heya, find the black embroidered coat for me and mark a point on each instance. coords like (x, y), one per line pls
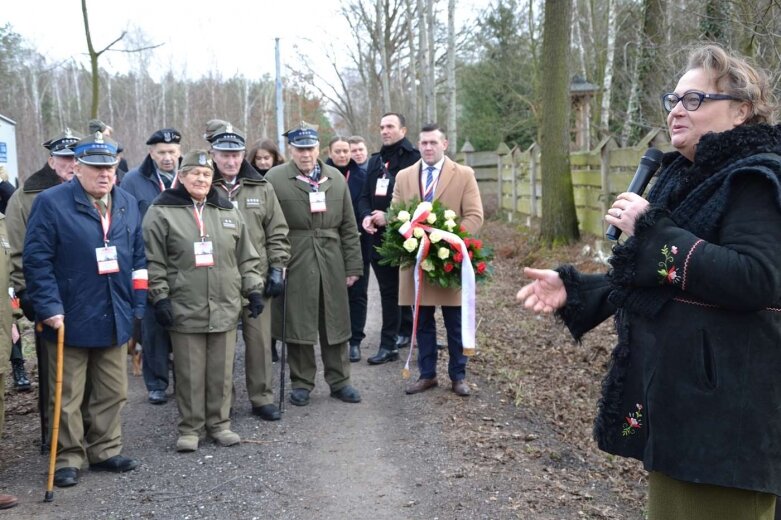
(693, 389)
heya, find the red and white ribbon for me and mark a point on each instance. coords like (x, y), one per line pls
(407, 229)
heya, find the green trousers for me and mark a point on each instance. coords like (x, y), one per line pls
(104, 371)
(203, 364)
(257, 356)
(670, 499)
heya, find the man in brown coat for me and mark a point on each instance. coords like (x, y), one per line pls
(436, 177)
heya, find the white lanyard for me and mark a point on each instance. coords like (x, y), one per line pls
(199, 219)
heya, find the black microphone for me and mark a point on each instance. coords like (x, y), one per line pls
(649, 163)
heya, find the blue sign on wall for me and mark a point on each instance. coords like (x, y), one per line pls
(3, 152)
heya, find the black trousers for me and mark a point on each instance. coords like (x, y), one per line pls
(395, 320)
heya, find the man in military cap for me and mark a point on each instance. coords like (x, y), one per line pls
(58, 169)
(254, 197)
(85, 268)
(326, 260)
(146, 182)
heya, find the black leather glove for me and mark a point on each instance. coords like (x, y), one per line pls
(274, 282)
(164, 313)
(27, 305)
(137, 330)
(255, 306)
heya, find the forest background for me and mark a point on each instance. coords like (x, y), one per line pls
(484, 82)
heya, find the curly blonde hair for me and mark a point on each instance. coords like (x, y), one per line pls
(735, 76)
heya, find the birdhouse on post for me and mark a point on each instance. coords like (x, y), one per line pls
(581, 91)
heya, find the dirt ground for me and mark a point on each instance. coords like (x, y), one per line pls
(519, 447)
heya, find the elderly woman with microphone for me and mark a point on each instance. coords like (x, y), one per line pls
(693, 389)
(201, 264)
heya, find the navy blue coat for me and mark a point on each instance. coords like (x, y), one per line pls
(61, 268)
(143, 184)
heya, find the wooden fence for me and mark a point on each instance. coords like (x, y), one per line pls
(512, 178)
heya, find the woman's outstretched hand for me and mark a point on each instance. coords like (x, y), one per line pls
(545, 294)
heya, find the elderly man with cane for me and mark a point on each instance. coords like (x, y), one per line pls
(85, 268)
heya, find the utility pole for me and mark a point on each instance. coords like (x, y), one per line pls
(280, 102)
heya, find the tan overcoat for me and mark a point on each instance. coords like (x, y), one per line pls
(456, 190)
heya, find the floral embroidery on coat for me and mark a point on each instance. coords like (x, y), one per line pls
(633, 421)
(667, 271)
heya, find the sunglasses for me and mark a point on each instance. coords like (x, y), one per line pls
(692, 99)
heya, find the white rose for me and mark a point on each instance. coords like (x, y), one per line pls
(424, 206)
(443, 253)
(418, 232)
(427, 265)
(403, 216)
(450, 214)
(432, 217)
(410, 244)
(450, 225)
(435, 236)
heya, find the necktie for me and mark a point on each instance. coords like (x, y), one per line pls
(101, 207)
(429, 192)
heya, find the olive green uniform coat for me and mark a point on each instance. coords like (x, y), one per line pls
(325, 249)
(17, 214)
(5, 314)
(254, 197)
(203, 299)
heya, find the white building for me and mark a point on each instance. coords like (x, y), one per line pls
(8, 156)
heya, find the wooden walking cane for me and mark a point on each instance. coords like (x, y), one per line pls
(56, 414)
(283, 350)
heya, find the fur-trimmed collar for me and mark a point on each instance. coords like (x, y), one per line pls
(43, 179)
(178, 196)
(246, 173)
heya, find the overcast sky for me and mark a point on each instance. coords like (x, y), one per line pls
(197, 36)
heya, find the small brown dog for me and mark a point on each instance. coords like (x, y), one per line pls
(135, 351)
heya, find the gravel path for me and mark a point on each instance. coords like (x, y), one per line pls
(392, 456)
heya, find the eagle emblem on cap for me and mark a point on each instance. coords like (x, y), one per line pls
(68, 133)
(229, 128)
(167, 137)
(98, 137)
(202, 160)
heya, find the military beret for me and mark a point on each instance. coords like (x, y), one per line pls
(165, 135)
(60, 145)
(303, 135)
(96, 150)
(196, 159)
(223, 136)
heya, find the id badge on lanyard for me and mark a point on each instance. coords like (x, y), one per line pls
(316, 197)
(108, 261)
(381, 190)
(203, 249)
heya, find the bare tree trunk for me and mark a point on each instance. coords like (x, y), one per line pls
(110, 99)
(76, 86)
(414, 80)
(578, 37)
(247, 107)
(383, 44)
(431, 59)
(559, 220)
(607, 82)
(186, 117)
(451, 78)
(631, 107)
(425, 71)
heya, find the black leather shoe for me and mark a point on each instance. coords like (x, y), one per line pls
(355, 353)
(383, 356)
(348, 394)
(403, 341)
(115, 464)
(267, 412)
(299, 396)
(21, 381)
(66, 477)
(157, 397)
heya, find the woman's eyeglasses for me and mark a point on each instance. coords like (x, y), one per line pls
(692, 99)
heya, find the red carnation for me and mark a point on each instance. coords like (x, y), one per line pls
(458, 257)
(448, 267)
(468, 242)
(477, 243)
(462, 229)
(481, 268)
(471, 255)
